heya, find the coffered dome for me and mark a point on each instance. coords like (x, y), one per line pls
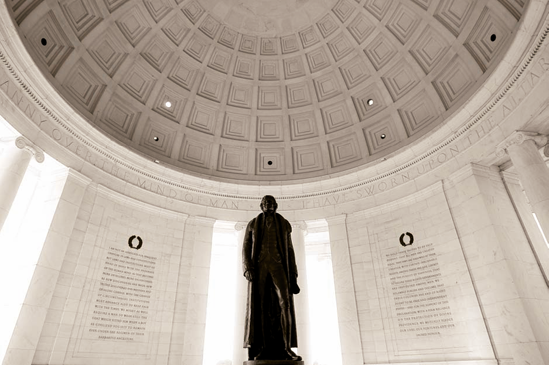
(267, 90)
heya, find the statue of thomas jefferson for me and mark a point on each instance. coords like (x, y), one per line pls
(269, 266)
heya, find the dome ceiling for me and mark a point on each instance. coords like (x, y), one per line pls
(254, 90)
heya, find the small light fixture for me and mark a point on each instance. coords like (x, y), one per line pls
(370, 101)
(269, 163)
(44, 41)
(383, 136)
(493, 37)
(156, 138)
(156, 161)
(168, 104)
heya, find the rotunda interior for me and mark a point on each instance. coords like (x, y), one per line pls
(404, 140)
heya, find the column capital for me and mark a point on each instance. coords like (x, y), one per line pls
(300, 225)
(517, 138)
(239, 226)
(24, 144)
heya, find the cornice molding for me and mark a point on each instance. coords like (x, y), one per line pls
(205, 221)
(338, 219)
(78, 178)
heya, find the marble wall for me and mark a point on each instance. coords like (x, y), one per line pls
(113, 303)
(470, 289)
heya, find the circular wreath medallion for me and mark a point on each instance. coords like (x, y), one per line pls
(139, 244)
(402, 239)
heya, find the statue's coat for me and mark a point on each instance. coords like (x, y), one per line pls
(250, 255)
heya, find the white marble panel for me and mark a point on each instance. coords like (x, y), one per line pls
(349, 332)
(421, 304)
(113, 303)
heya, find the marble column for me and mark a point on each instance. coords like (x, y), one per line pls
(299, 231)
(240, 354)
(177, 339)
(523, 149)
(347, 313)
(14, 161)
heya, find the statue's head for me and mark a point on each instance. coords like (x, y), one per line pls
(268, 204)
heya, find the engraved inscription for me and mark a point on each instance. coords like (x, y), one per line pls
(419, 293)
(121, 308)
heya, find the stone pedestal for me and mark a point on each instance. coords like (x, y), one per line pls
(273, 362)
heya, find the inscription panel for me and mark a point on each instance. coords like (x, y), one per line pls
(125, 292)
(122, 304)
(419, 292)
(414, 292)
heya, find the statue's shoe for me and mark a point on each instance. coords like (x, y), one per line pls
(261, 356)
(292, 356)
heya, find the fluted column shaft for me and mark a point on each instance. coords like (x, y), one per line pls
(14, 161)
(523, 149)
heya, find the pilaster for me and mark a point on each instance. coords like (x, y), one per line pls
(506, 277)
(198, 235)
(349, 330)
(66, 192)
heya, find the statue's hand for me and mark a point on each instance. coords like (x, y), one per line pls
(249, 274)
(294, 288)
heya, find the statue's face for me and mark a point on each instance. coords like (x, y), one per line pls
(268, 205)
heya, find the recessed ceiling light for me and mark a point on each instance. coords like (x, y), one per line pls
(370, 101)
(168, 104)
(493, 37)
(156, 161)
(44, 41)
(156, 138)
(383, 136)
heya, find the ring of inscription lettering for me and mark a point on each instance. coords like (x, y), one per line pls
(138, 245)
(402, 239)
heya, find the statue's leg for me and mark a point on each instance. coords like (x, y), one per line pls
(280, 282)
(263, 273)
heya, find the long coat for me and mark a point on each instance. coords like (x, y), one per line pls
(250, 255)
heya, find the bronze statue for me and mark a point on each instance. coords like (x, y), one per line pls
(269, 266)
